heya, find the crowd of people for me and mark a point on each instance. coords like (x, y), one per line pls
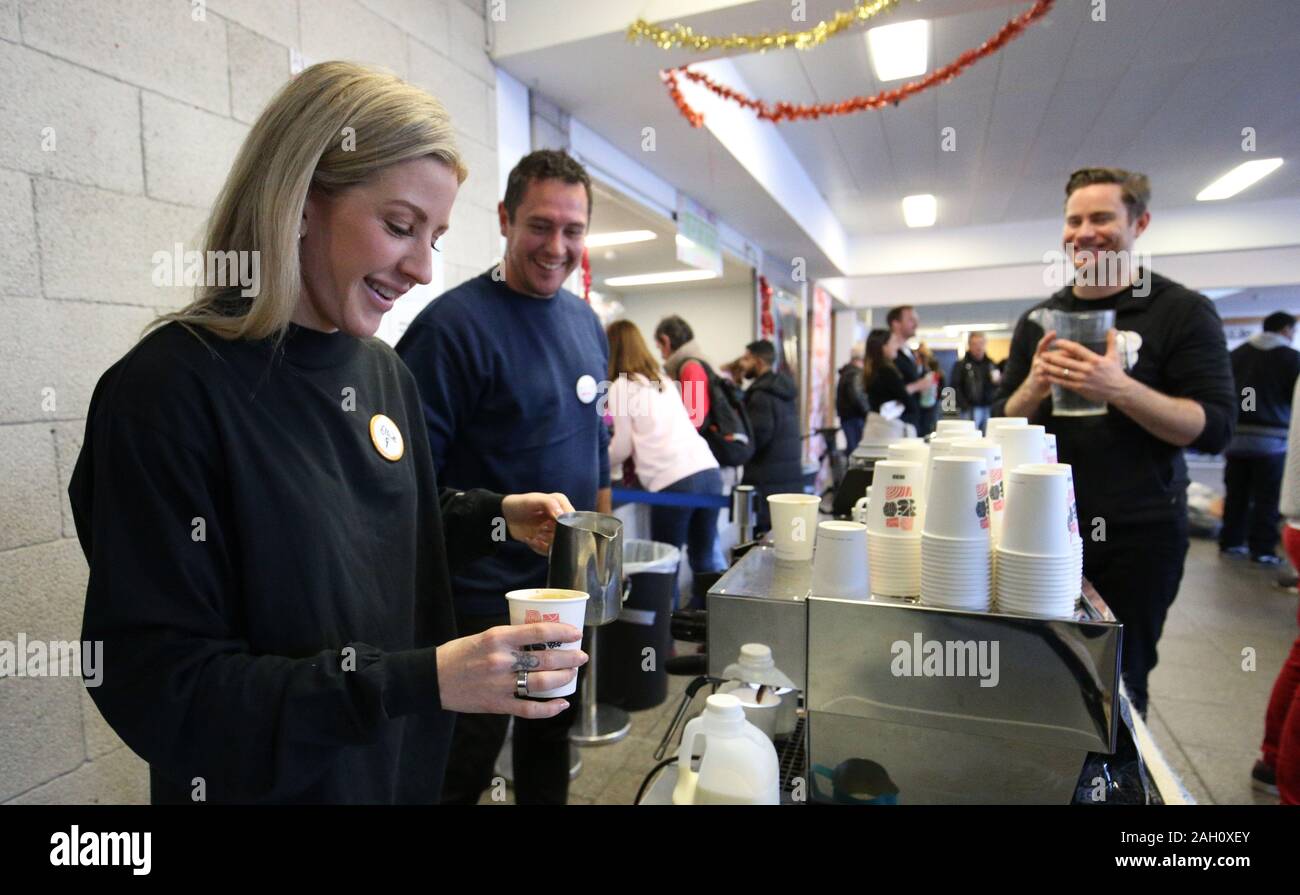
(299, 534)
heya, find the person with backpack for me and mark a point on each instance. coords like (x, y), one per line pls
(777, 464)
(653, 428)
(716, 405)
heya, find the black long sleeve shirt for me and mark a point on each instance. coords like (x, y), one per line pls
(1122, 472)
(269, 588)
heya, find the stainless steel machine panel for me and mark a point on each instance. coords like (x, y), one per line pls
(1053, 682)
(761, 600)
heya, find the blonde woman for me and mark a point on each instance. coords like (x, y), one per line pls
(268, 548)
(653, 428)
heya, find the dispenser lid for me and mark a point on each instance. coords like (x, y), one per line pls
(724, 706)
(755, 666)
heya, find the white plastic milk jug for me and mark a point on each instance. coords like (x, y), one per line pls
(739, 766)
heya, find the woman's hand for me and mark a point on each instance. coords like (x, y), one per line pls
(477, 674)
(531, 518)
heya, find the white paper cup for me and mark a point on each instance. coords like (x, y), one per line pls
(1037, 507)
(959, 508)
(1049, 447)
(794, 524)
(991, 452)
(1072, 510)
(913, 451)
(895, 507)
(1021, 445)
(997, 422)
(946, 427)
(840, 561)
(571, 609)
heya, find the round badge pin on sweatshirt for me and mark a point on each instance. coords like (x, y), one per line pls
(386, 437)
(586, 388)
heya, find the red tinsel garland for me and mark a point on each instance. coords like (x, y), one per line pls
(783, 111)
(766, 323)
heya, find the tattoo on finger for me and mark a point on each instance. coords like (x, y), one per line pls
(525, 661)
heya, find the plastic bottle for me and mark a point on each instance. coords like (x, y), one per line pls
(739, 766)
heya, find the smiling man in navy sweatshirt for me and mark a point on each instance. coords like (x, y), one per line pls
(509, 365)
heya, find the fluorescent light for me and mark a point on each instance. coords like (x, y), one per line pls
(1238, 179)
(956, 329)
(667, 276)
(920, 211)
(901, 50)
(619, 237)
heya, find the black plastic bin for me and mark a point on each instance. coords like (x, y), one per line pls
(627, 675)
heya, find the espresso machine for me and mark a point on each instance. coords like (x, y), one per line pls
(944, 706)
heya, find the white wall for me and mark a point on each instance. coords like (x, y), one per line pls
(147, 106)
(723, 319)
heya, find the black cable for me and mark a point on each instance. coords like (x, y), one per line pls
(650, 776)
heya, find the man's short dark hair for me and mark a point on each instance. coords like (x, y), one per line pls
(764, 350)
(676, 329)
(544, 164)
(1135, 188)
(896, 314)
(1278, 321)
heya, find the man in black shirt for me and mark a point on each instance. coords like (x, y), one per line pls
(1167, 384)
(902, 322)
(1265, 370)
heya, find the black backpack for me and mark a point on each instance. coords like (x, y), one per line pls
(726, 428)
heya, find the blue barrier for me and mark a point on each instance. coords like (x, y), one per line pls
(669, 498)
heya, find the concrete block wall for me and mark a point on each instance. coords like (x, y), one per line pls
(121, 120)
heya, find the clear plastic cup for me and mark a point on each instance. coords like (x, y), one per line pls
(1089, 329)
(794, 524)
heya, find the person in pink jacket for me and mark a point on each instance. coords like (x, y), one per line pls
(653, 428)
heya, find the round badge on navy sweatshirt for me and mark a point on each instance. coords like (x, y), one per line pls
(586, 388)
(386, 437)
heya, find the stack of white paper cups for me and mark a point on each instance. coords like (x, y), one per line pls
(955, 552)
(893, 529)
(1036, 560)
(1049, 448)
(1071, 518)
(840, 561)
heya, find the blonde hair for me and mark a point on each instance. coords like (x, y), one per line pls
(333, 126)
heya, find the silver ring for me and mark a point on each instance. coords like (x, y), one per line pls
(521, 684)
(1065, 371)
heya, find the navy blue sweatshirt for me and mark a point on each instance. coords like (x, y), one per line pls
(499, 375)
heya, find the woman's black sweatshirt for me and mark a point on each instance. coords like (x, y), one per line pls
(270, 588)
